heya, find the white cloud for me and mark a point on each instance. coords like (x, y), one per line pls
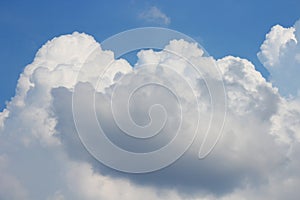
(95, 186)
(257, 157)
(280, 55)
(155, 15)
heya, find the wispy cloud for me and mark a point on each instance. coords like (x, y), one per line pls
(155, 15)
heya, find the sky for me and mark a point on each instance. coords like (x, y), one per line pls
(79, 121)
(224, 27)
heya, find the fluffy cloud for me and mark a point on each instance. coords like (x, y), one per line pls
(155, 15)
(280, 55)
(41, 156)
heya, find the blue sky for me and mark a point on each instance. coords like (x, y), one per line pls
(225, 27)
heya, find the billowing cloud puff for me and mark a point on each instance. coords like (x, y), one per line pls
(42, 157)
(280, 54)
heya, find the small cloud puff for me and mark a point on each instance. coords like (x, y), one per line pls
(155, 15)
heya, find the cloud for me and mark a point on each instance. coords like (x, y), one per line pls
(96, 186)
(257, 157)
(155, 15)
(280, 55)
(9, 183)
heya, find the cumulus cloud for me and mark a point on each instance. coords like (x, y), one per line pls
(155, 15)
(257, 157)
(280, 54)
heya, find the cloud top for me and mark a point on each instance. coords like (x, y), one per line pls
(280, 54)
